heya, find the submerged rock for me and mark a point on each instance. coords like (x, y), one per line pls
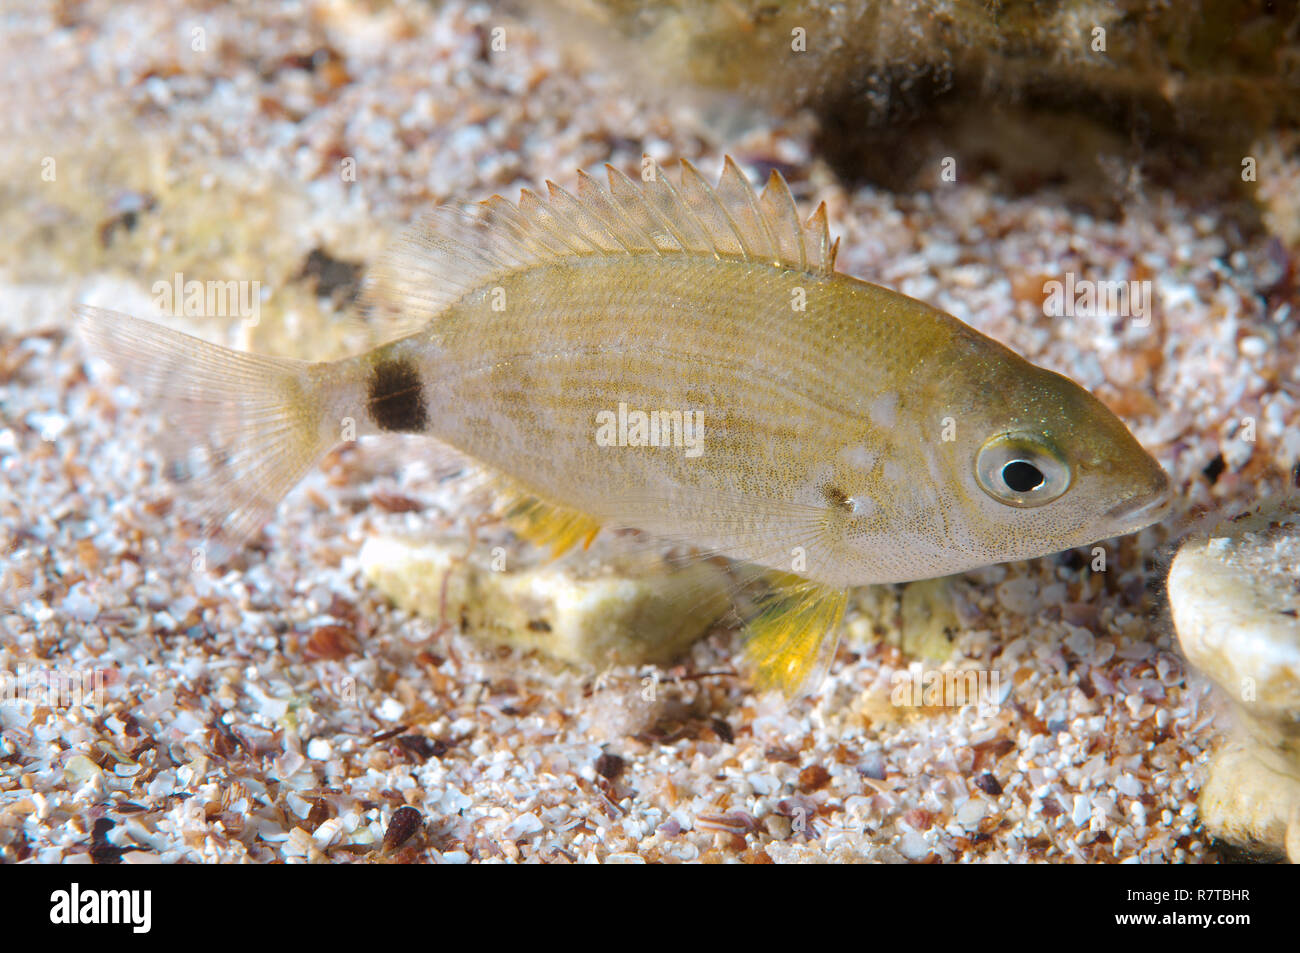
(587, 610)
(928, 618)
(1235, 600)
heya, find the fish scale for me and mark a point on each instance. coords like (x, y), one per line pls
(864, 438)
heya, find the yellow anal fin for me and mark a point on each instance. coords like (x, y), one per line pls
(794, 635)
(547, 524)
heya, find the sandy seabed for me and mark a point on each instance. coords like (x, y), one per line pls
(280, 709)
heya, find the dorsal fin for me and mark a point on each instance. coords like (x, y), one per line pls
(453, 251)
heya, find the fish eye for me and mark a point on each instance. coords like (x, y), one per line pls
(1021, 469)
(1022, 476)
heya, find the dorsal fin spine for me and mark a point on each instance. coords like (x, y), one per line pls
(662, 181)
(625, 191)
(583, 216)
(540, 215)
(454, 252)
(632, 202)
(701, 184)
(778, 194)
(518, 225)
(589, 192)
(606, 202)
(627, 194)
(773, 256)
(817, 223)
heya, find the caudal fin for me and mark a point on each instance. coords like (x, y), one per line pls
(241, 429)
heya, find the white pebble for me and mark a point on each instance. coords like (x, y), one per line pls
(298, 843)
(1252, 346)
(971, 813)
(1082, 810)
(328, 832)
(1019, 595)
(1127, 784)
(79, 605)
(50, 425)
(913, 845)
(523, 826)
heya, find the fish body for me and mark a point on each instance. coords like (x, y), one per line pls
(683, 360)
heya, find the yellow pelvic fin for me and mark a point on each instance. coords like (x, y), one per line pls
(546, 524)
(794, 635)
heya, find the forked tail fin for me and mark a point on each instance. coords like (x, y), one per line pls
(241, 429)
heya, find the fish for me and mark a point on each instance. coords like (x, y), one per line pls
(681, 359)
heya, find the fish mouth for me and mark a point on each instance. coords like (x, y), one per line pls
(1142, 510)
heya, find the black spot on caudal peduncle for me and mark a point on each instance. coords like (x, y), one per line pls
(396, 397)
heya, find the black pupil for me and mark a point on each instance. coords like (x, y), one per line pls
(1022, 476)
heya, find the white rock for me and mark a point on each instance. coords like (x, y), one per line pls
(1082, 810)
(590, 608)
(523, 826)
(328, 832)
(298, 843)
(913, 845)
(971, 813)
(1237, 611)
(1127, 784)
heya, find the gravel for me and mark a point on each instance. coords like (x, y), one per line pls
(277, 708)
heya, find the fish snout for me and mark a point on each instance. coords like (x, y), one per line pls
(1145, 507)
